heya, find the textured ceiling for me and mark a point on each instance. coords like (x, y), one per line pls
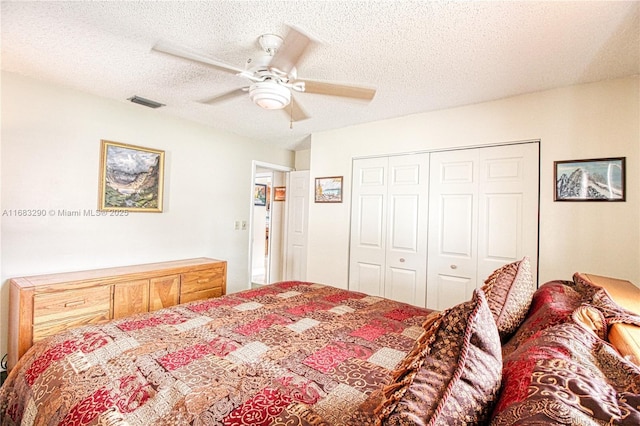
(421, 56)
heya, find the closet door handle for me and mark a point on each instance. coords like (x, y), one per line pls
(454, 266)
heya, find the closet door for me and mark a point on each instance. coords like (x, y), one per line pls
(453, 224)
(368, 226)
(483, 214)
(508, 207)
(406, 252)
(388, 227)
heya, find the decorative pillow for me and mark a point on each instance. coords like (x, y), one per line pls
(509, 291)
(566, 375)
(552, 304)
(452, 375)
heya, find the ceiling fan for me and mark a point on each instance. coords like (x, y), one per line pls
(272, 76)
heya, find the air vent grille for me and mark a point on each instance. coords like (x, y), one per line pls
(146, 102)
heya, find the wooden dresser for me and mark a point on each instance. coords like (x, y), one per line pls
(42, 305)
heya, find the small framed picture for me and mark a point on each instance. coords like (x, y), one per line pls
(598, 179)
(131, 178)
(260, 195)
(279, 193)
(328, 189)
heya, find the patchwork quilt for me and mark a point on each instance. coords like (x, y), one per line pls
(292, 353)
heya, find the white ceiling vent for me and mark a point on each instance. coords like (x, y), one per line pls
(146, 102)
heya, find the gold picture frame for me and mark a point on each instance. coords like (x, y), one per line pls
(328, 189)
(131, 178)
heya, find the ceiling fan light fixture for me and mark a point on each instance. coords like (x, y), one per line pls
(269, 95)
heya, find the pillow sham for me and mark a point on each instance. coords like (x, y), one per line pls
(566, 375)
(509, 290)
(452, 375)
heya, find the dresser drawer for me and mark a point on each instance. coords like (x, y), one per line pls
(201, 295)
(62, 307)
(40, 331)
(205, 279)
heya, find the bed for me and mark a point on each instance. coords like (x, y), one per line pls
(300, 353)
(288, 353)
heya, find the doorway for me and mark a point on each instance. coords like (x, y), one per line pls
(267, 224)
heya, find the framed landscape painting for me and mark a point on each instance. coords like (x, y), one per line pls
(131, 178)
(599, 179)
(328, 189)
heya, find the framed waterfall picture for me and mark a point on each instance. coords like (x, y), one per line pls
(599, 179)
(131, 178)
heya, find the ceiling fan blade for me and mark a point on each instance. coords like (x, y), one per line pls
(191, 55)
(331, 89)
(294, 111)
(235, 93)
(295, 45)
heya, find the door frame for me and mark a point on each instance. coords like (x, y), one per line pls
(255, 165)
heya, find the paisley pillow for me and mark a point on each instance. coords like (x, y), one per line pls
(452, 375)
(509, 291)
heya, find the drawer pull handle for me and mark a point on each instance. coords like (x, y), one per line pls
(204, 280)
(454, 266)
(74, 303)
(402, 260)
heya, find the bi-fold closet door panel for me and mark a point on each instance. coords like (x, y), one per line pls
(453, 221)
(388, 227)
(508, 216)
(483, 213)
(368, 226)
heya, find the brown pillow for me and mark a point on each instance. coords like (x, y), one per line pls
(509, 291)
(452, 375)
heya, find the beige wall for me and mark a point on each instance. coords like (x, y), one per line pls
(578, 122)
(50, 157)
(303, 159)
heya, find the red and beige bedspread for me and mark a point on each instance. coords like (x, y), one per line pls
(292, 353)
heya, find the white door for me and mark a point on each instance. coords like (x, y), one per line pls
(453, 218)
(408, 196)
(508, 207)
(388, 227)
(368, 226)
(483, 214)
(297, 201)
